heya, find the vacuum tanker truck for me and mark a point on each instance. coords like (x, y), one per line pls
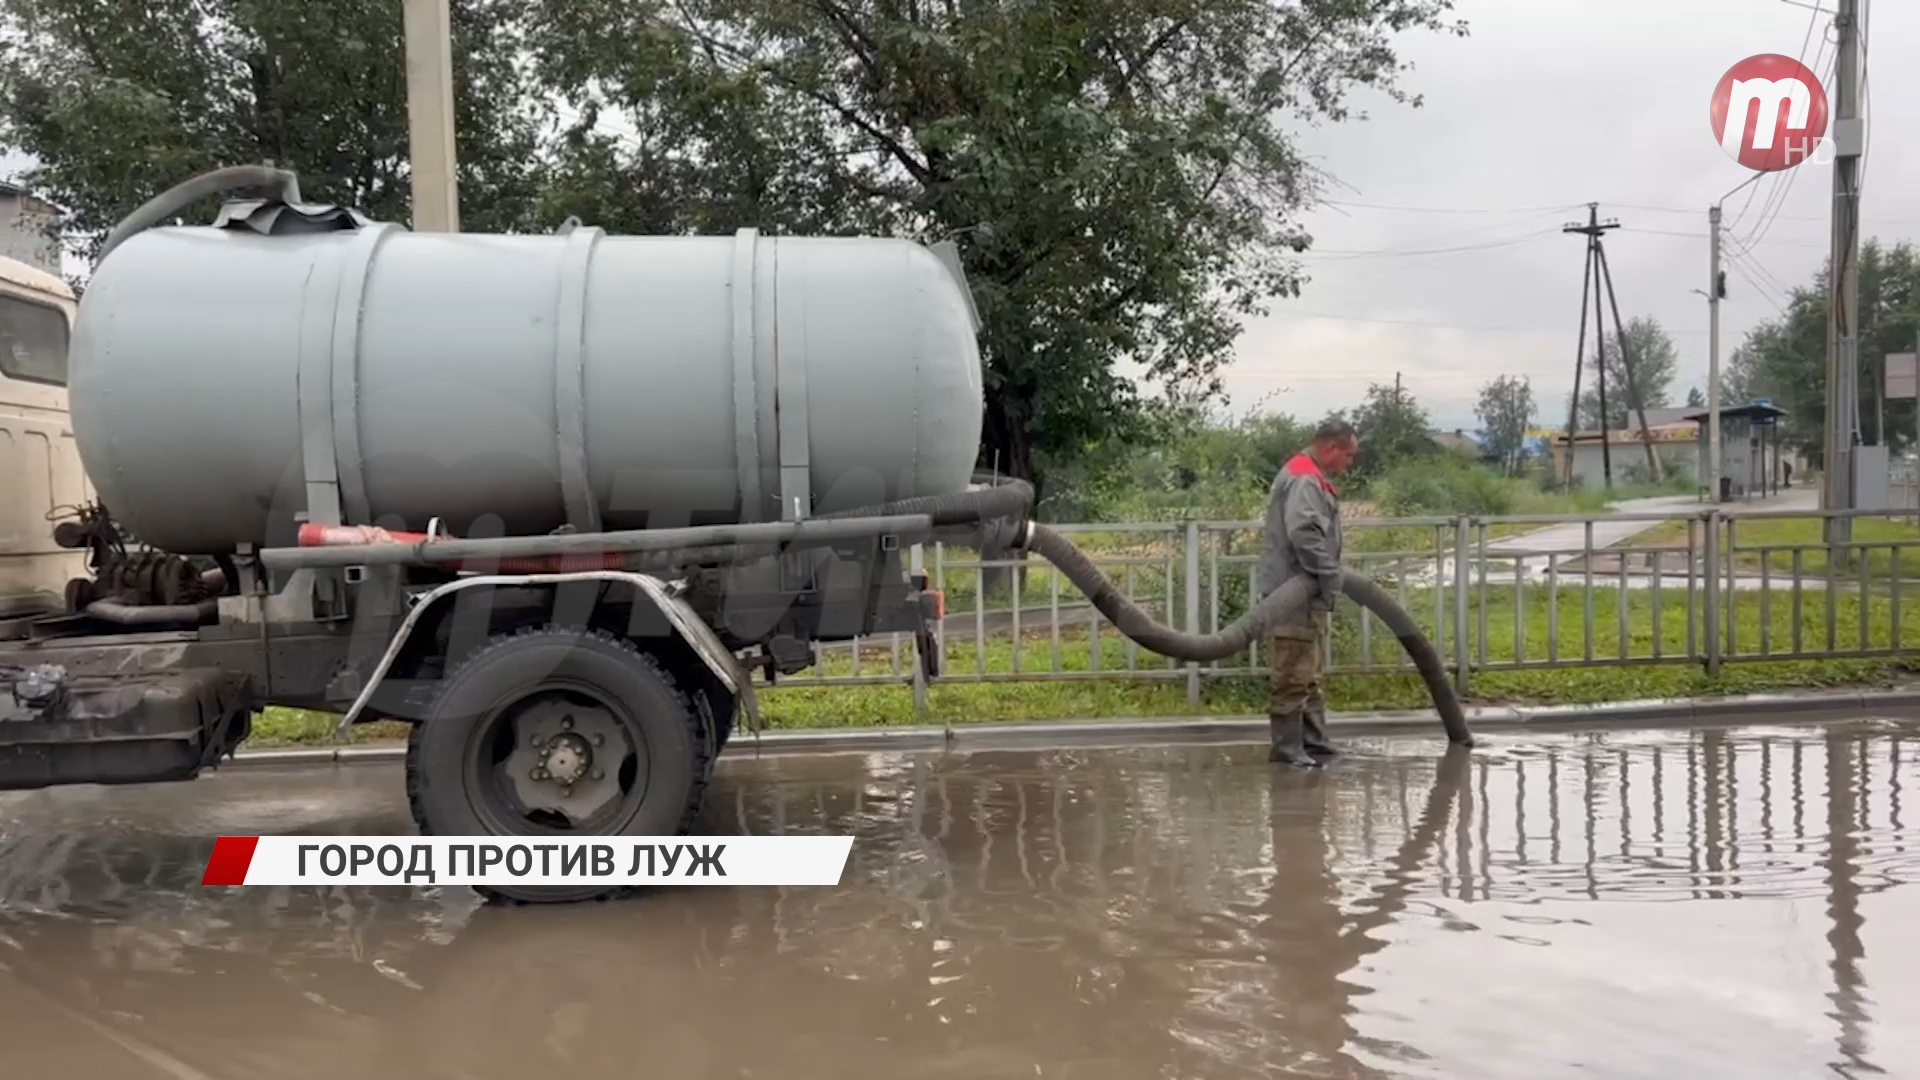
(550, 500)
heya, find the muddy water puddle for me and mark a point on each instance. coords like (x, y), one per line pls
(1717, 903)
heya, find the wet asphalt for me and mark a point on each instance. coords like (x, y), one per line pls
(1728, 902)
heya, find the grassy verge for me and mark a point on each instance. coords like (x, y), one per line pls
(1520, 625)
(1773, 542)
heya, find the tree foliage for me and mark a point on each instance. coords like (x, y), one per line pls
(1118, 175)
(1655, 363)
(1506, 411)
(118, 100)
(1393, 429)
(1785, 359)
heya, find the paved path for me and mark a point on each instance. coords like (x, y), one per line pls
(1572, 537)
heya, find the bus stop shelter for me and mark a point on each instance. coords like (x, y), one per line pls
(1750, 452)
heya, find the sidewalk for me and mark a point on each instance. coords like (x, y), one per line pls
(1572, 537)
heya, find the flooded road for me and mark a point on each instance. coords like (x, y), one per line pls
(1720, 903)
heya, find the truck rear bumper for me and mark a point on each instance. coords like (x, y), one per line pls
(124, 729)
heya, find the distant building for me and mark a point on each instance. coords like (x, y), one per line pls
(1459, 440)
(24, 218)
(1675, 444)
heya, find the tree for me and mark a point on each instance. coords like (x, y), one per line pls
(118, 100)
(1696, 399)
(1393, 428)
(1655, 362)
(1118, 176)
(1506, 411)
(1785, 359)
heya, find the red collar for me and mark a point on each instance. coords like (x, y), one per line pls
(1302, 464)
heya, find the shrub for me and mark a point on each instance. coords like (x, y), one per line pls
(1445, 485)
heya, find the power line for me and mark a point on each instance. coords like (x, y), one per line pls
(1740, 250)
(1739, 267)
(1561, 208)
(1409, 252)
(1781, 186)
(1481, 328)
(1645, 207)
(1338, 377)
(1784, 187)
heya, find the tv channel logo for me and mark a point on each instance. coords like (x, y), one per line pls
(1769, 112)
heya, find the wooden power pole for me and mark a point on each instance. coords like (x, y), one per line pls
(1598, 279)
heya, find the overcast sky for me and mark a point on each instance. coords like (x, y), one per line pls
(1549, 105)
(1445, 262)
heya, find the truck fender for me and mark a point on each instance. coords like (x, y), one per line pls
(680, 615)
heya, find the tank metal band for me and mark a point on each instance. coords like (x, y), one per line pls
(356, 262)
(790, 398)
(314, 385)
(569, 375)
(746, 397)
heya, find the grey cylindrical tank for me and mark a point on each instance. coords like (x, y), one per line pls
(224, 381)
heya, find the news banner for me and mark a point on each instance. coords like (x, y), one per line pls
(494, 860)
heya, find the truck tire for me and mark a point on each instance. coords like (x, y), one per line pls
(557, 731)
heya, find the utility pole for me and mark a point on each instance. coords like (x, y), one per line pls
(1600, 278)
(430, 126)
(1843, 362)
(1628, 363)
(1579, 361)
(1716, 292)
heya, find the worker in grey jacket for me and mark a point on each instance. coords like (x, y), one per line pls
(1303, 537)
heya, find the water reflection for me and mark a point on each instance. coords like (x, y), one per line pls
(1152, 913)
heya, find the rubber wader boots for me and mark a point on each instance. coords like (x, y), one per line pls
(1297, 709)
(1299, 737)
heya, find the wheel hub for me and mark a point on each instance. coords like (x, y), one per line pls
(566, 759)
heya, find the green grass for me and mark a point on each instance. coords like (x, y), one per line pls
(1781, 536)
(797, 705)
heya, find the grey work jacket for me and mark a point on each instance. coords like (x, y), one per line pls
(1302, 530)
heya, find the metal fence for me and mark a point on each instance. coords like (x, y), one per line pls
(1493, 593)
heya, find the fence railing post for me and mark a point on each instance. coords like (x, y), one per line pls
(917, 564)
(1193, 606)
(1710, 601)
(1462, 582)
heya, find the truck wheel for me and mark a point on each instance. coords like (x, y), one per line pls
(553, 731)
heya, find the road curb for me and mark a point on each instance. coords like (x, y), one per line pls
(1752, 708)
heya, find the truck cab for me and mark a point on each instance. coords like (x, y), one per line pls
(40, 468)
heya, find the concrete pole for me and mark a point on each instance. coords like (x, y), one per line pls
(1713, 355)
(436, 188)
(1843, 365)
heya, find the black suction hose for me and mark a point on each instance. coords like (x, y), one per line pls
(1001, 508)
(1285, 604)
(285, 185)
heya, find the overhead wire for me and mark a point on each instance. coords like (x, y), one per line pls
(1782, 186)
(1734, 251)
(1438, 325)
(1559, 209)
(1740, 266)
(1415, 252)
